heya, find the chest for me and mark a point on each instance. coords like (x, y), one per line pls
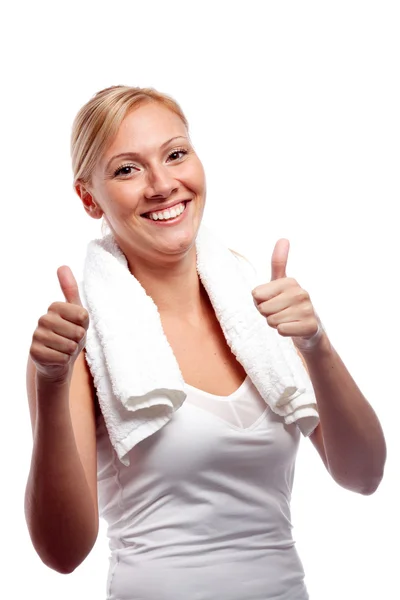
(204, 357)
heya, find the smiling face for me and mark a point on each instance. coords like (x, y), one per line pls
(150, 165)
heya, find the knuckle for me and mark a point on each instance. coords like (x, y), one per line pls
(44, 321)
(309, 312)
(81, 315)
(72, 346)
(84, 315)
(64, 359)
(39, 333)
(34, 350)
(302, 295)
(54, 307)
(79, 333)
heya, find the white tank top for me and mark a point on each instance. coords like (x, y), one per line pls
(203, 510)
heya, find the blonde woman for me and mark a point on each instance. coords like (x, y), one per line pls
(203, 511)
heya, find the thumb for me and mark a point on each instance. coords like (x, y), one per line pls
(68, 285)
(279, 259)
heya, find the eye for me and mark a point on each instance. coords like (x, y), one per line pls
(124, 170)
(176, 154)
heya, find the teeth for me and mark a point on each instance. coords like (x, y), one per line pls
(168, 213)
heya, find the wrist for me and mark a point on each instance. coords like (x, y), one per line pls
(53, 382)
(52, 395)
(315, 343)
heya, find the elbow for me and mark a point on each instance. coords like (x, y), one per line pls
(372, 486)
(62, 569)
(61, 557)
(362, 479)
(365, 486)
(65, 565)
(373, 482)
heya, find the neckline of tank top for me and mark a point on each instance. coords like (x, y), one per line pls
(243, 386)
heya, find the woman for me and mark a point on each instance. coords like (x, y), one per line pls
(216, 522)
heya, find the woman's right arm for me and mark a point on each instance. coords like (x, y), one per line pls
(61, 492)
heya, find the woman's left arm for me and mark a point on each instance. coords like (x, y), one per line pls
(349, 437)
(349, 432)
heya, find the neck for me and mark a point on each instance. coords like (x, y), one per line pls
(176, 290)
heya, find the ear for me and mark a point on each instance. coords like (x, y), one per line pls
(89, 204)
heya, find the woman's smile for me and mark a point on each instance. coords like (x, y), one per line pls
(172, 220)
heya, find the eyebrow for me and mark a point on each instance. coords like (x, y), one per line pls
(137, 154)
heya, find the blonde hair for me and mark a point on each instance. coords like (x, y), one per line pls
(98, 121)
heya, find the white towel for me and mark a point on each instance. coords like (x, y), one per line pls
(138, 380)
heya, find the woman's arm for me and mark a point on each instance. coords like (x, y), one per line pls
(349, 437)
(61, 492)
(352, 436)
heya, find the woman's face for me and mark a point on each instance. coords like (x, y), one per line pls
(150, 165)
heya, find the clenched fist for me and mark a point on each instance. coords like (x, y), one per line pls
(286, 306)
(61, 333)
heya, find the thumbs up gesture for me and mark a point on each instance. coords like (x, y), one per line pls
(61, 333)
(286, 306)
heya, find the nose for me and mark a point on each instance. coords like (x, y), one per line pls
(159, 183)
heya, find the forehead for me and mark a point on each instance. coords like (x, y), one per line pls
(147, 127)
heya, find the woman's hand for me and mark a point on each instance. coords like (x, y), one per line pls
(287, 306)
(61, 333)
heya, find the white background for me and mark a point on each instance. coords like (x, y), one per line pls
(294, 111)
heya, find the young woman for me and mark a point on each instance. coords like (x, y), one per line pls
(203, 510)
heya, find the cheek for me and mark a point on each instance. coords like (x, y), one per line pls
(195, 177)
(122, 196)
